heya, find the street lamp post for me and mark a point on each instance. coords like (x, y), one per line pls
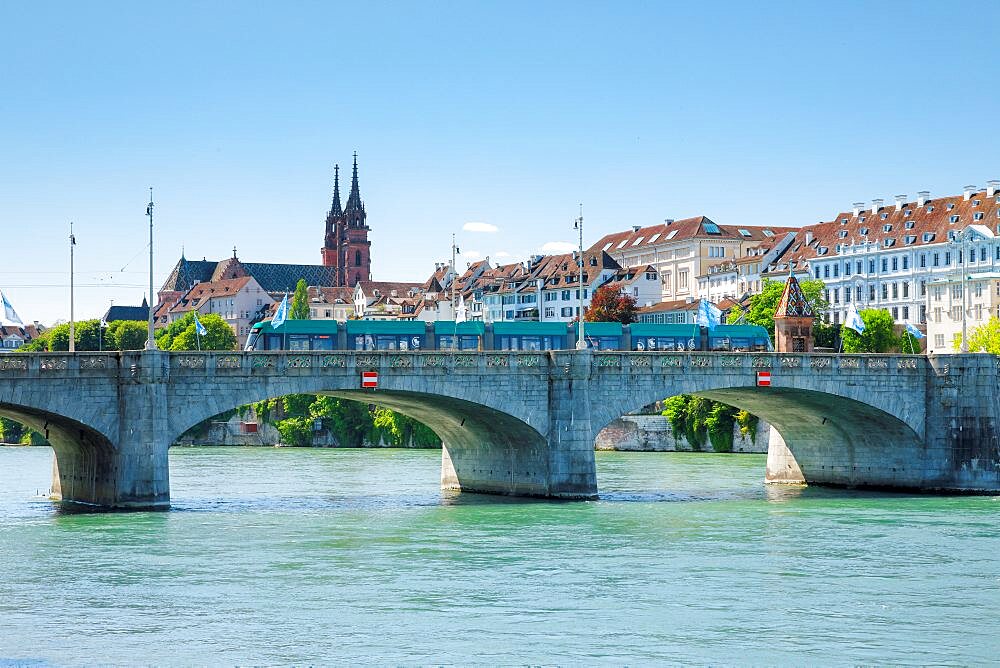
(150, 340)
(964, 235)
(72, 323)
(580, 341)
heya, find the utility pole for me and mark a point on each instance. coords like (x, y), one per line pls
(150, 341)
(72, 324)
(580, 341)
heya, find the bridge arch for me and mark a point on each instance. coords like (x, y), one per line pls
(822, 432)
(489, 445)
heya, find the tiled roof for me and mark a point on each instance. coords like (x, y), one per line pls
(321, 295)
(188, 272)
(116, 313)
(793, 303)
(699, 227)
(203, 292)
(275, 278)
(908, 226)
(677, 305)
(389, 289)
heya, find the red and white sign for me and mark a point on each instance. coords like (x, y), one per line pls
(369, 379)
(763, 379)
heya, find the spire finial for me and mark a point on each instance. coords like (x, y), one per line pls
(234, 251)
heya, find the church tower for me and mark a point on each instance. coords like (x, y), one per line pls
(356, 255)
(334, 222)
(346, 246)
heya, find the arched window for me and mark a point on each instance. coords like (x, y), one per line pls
(357, 258)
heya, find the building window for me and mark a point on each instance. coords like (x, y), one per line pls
(871, 292)
(817, 271)
(895, 290)
(357, 258)
(847, 269)
(939, 340)
(885, 265)
(857, 293)
(923, 313)
(836, 270)
(826, 271)
(885, 291)
(906, 262)
(847, 295)
(871, 266)
(937, 260)
(906, 313)
(858, 266)
(906, 289)
(682, 279)
(895, 313)
(947, 258)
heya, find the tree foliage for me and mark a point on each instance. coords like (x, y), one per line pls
(983, 339)
(763, 305)
(697, 418)
(609, 305)
(300, 301)
(878, 337)
(126, 335)
(181, 335)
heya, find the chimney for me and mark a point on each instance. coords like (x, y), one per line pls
(967, 192)
(992, 187)
(900, 201)
(876, 205)
(858, 208)
(923, 197)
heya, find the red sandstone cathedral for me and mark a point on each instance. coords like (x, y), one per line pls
(346, 247)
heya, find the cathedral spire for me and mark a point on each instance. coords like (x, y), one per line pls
(354, 199)
(336, 210)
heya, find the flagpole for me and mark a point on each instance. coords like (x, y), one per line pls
(150, 340)
(72, 324)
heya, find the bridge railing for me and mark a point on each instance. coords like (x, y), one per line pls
(14, 365)
(674, 362)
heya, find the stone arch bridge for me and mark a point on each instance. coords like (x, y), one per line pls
(521, 423)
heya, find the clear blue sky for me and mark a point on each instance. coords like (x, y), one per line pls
(504, 113)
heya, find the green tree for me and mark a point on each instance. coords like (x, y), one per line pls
(878, 336)
(300, 302)
(762, 306)
(125, 335)
(181, 335)
(609, 305)
(56, 339)
(983, 339)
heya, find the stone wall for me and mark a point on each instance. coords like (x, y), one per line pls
(653, 433)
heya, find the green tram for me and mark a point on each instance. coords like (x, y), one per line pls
(416, 335)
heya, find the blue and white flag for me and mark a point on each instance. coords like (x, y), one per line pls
(198, 327)
(914, 332)
(281, 315)
(708, 315)
(9, 313)
(854, 321)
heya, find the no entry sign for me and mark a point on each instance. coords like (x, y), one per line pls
(369, 379)
(763, 379)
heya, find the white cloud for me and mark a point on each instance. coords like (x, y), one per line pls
(501, 254)
(480, 227)
(558, 247)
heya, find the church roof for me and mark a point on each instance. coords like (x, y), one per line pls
(273, 278)
(793, 303)
(116, 313)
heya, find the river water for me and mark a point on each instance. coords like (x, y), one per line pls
(285, 556)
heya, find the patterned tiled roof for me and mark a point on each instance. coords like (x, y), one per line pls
(273, 278)
(793, 303)
(116, 313)
(201, 293)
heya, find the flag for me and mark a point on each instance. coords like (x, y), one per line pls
(708, 315)
(854, 320)
(460, 312)
(281, 315)
(104, 323)
(914, 332)
(198, 327)
(8, 311)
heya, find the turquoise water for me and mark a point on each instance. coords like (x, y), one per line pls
(281, 556)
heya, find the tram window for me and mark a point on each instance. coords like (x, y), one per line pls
(298, 342)
(322, 342)
(272, 342)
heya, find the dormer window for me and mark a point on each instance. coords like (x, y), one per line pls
(884, 216)
(952, 219)
(745, 233)
(638, 241)
(909, 225)
(843, 221)
(887, 227)
(909, 239)
(950, 206)
(842, 234)
(768, 233)
(977, 216)
(593, 262)
(928, 236)
(889, 242)
(864, 231)
(822, 250)
(861, 219)
(907, 213)
(930, 209)
(976, 202)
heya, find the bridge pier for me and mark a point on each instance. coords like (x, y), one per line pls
(782, 469)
